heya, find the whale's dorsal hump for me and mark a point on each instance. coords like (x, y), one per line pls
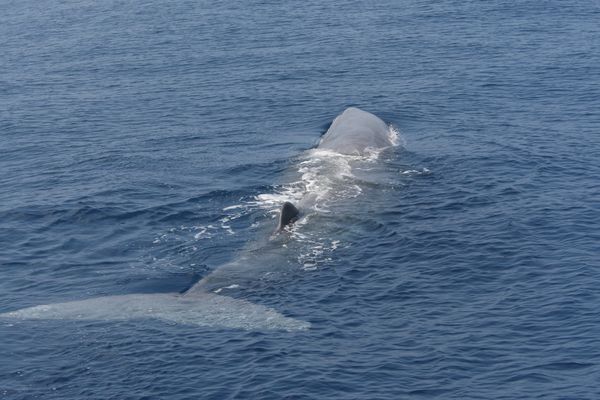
(288, 214)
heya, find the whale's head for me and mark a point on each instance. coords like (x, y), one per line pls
(354, 132)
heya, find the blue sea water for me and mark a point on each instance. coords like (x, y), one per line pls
(143, 144)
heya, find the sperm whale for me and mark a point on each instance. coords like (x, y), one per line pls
(354, 133)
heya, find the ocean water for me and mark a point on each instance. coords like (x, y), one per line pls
(144, 144)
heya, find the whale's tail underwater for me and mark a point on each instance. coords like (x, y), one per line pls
(201, 309)
(354, 133)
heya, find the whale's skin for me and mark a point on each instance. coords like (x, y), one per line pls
(353, 132)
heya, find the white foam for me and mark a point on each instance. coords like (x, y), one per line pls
(395, 138)
(233, 286)
(202, 234)
(233, 207)
(324, 176)
(423, 171)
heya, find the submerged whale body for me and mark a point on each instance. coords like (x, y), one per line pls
(354, 132)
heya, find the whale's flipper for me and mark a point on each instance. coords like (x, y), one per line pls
(289, 214)
(201, 309)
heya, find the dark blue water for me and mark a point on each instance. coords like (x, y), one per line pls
(138, 139)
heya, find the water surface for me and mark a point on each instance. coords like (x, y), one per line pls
(145, 144)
